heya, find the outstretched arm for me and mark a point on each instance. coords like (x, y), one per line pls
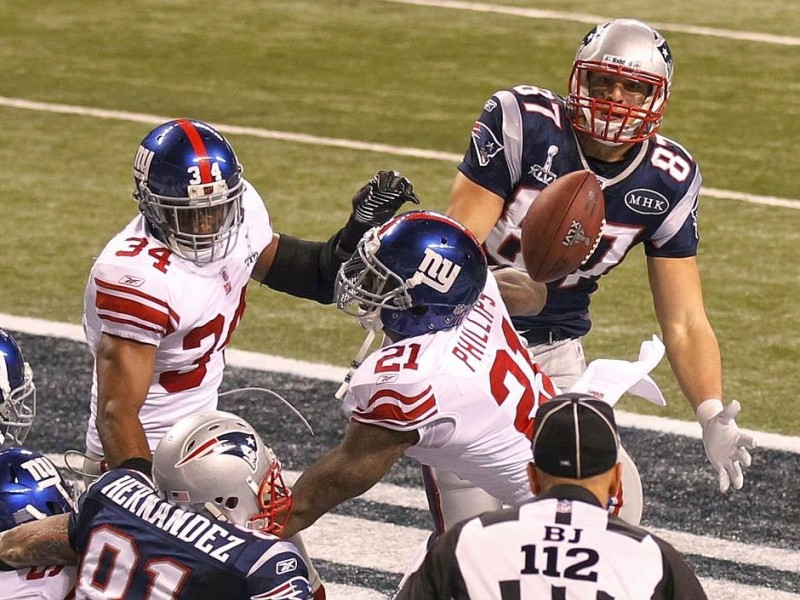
(475, 207)
(364, 456)
(691, 344)
(38, 543)
(308, 269)
(694, 355)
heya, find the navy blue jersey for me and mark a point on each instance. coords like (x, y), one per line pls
(133, 544)
(523, 140)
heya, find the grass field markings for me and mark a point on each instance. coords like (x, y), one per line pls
(556, 15)
(302, 138)
(257, 361)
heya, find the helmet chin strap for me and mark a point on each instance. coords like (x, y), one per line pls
(215, 512)
(373, 324)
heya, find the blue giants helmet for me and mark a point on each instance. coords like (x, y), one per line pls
(189, 187)
(31, 487)
(18, 406)
(420, 272)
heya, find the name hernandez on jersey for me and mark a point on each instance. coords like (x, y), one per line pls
(523, 141)
(172, 552)
(37, 583)
(138, 289)
(470, 392)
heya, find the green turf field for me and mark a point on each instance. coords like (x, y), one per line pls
(400, 75)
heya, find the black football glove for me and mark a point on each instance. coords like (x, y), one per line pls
(373, 205)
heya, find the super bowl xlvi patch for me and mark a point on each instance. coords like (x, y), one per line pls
(542, 172)
(486, 145)
(646, 202)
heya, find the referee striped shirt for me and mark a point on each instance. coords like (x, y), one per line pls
(561, 546)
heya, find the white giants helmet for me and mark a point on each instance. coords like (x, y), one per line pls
(215, 461)
(632, 50)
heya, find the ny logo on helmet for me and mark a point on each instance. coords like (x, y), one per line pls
(42, 470)
(437, 272)
(141, 163)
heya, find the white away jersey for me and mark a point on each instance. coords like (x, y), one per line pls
(470, 392)
(138, 289)
(37, 583)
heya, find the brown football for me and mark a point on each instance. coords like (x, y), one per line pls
(563, 226)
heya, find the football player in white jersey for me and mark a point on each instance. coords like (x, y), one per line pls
(166, 294)
(32, 488)
(454, 386)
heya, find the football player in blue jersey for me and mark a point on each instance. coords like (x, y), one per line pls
(608, 123)
(203, 527)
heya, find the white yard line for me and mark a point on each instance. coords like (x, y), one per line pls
(290, 366)
(557, 15)
(301, 138)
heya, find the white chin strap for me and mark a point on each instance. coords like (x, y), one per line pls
(372, 323)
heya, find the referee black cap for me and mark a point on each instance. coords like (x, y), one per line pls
(575, 436)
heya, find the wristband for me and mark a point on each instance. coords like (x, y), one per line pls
(707, 410)
(349, 236)
(138, 463)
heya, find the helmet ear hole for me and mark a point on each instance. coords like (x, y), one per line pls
(231, 503)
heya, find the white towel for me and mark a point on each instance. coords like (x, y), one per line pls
(609, 379)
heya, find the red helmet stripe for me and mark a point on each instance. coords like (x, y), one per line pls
(196, 140)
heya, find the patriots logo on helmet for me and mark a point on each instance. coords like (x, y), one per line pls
(588, 38)
(665, 52)
(236, 443)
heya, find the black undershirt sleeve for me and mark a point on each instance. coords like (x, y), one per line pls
(305, 269)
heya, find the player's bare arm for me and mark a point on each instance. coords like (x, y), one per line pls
(38, 543)
(124, 371)
(522, 295)
(691, 344)
(364, 456)
(475, 207)
(478, 210)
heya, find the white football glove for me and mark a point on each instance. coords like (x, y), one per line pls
(724, 442)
